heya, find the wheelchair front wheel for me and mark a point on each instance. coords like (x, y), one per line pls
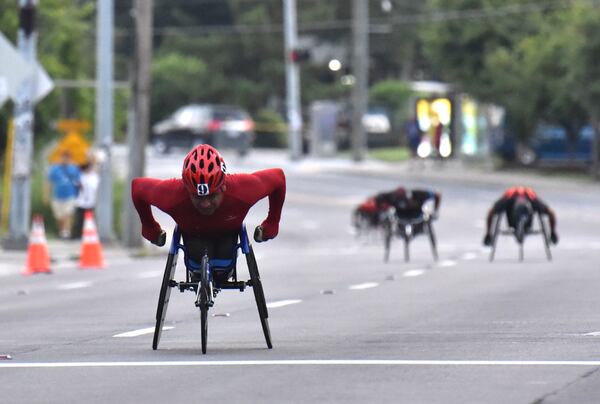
(259, 296)
(204, 300)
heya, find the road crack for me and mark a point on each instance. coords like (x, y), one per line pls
(542, 399)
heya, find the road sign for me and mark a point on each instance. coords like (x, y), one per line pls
(14, 73)
(17, 70)
(73, 141)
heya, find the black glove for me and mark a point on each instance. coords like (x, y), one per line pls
(162, 239)
(258, 234)
(487, 240)
(554, 238)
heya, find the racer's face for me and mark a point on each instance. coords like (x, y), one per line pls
(207, 205)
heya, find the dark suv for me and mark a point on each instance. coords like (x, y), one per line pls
(223, 126)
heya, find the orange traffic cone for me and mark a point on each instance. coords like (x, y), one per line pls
(91, 250)
(38, 259)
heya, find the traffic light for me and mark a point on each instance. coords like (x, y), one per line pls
(299, 55)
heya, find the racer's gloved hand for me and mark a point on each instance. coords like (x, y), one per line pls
(265, 231)
(487, 240)
(554, 238)
(162, 239)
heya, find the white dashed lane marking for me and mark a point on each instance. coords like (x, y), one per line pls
(281, 303)
(74, 285)
(150, 274)
(447, 263)
(137, 333)
(413, 273)
(362, 286)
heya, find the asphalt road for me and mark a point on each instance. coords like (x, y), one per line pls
(346, 327)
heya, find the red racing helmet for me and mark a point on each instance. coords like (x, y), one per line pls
(203, 170)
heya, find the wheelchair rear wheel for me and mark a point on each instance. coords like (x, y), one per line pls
(163, 298)
(259, 296)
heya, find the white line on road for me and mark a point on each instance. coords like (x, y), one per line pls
(282, 303)
(362, 286)
(137, 333)
(447, 263)
(150, 274)
(592, 334)
(468, 256)
(413, 272)
(75, 285)
(316, 362)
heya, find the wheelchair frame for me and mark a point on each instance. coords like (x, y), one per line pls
(403, 228)
(208, 287)
(513, 232)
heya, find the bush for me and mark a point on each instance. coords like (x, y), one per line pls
(271, 129)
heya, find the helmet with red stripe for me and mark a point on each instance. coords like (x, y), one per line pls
(203, 171)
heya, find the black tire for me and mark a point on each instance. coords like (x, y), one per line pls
(204, 325)
(495, 237)
(520, 235)
(387, 240)
(546, 236)
(259, 296)
(432, 240)
(204, 297)
(406, 238)
(163, 298)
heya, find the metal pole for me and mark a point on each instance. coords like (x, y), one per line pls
(104, 115)
(20, 205)
(360, 62)
(139, 117)
(292, 80)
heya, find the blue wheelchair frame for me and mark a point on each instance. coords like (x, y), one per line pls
(208, 287)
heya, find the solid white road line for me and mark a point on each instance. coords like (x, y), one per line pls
(413, 272)
(362, 286)
(282, 303)
(137, 333)
(316, 362)
(75, 285)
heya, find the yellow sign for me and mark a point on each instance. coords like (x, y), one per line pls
(73, 141)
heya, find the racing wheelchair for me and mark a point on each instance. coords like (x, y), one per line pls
(206, 279)
(394, 224)
(521, 227)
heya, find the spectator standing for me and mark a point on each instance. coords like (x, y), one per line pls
(413, 135)
(63, 185)
(86, 199)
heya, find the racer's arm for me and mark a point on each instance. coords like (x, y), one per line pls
(542, 208)
(146, 192)
(499, 206)
(271, 183)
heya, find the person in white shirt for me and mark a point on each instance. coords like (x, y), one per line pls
(86, 199)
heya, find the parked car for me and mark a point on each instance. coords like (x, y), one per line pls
(550, 145)
(377, 123)
(223, 126)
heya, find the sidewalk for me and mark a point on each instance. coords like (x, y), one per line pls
(453, 170)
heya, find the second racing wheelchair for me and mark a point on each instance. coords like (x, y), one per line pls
(206, 279)
(395, 223)
(520, 225)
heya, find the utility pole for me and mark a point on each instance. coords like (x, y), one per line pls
(20, 206)
(292, 79)
(104, 115)
(139, 116)
(360, 63)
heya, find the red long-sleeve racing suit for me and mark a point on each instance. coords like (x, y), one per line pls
(242, 191)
